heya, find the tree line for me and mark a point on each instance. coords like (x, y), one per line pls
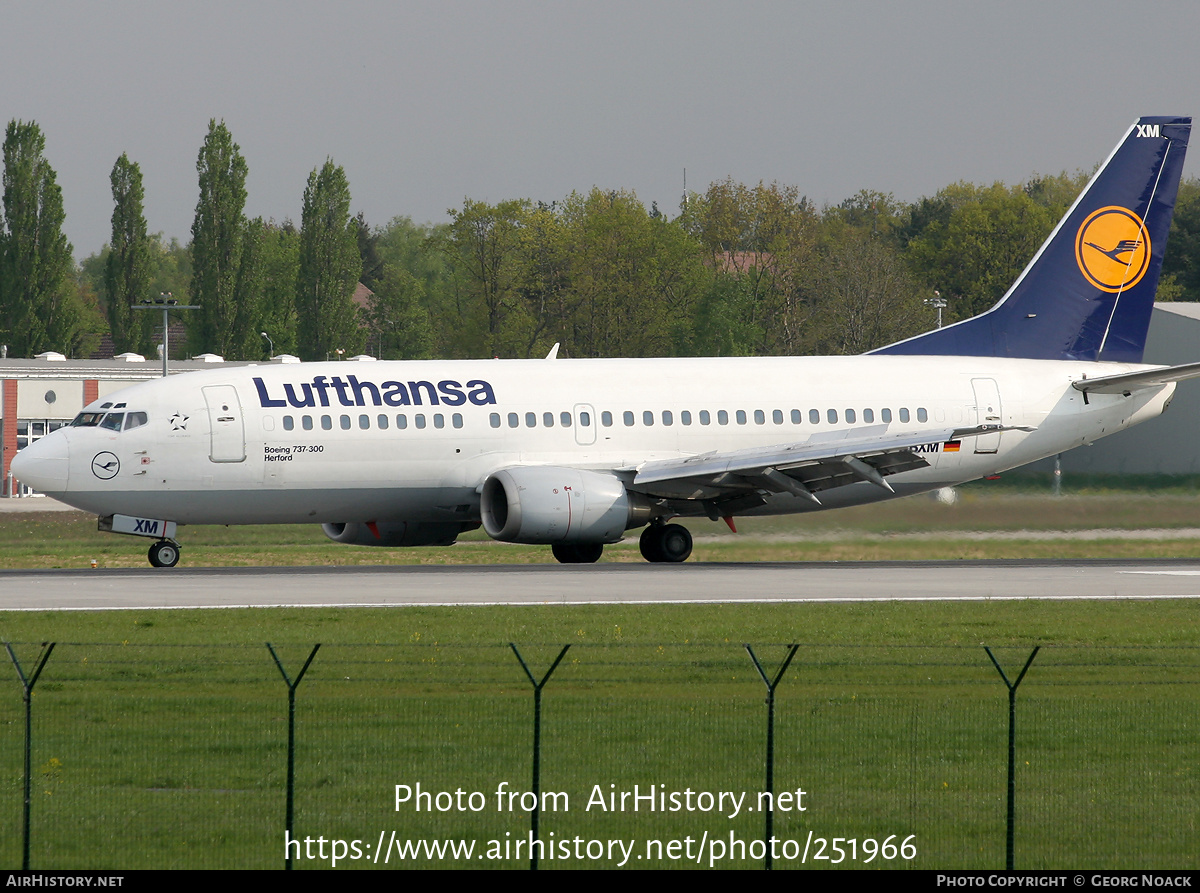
(739, 270)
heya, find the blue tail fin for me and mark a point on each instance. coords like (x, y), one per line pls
(1088, 292)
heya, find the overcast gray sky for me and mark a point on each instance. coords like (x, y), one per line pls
(424, 103)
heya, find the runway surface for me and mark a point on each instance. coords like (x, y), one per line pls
(594, 584)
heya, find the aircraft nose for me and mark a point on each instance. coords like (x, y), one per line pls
(43, 464)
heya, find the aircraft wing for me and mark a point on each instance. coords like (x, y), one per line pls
(733, 481)
(1135, 381)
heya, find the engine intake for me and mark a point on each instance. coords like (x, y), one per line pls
(547, 504)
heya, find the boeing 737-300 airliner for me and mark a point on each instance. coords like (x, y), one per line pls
(572, 453)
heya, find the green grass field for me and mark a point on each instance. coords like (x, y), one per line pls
(160, 736)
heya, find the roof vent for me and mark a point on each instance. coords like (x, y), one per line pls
(51, 356)
(285, 358)
(130, 357)
(209, 358)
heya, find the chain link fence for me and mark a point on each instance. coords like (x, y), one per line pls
(145, 756)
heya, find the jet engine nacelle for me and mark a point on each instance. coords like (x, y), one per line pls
(546, 504)
(397, 533)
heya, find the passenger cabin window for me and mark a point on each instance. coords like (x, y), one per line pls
(364, 422)
(903, 414)
(288, 423)
(922, 415)
(885, 415)
(326, 423)
(564, 419)
(494, 420)
(741, 416)
(344, 421)
(850, 417)
(383, 422)
(705, 418)
(796, 417)
(667, 418)
(531, 420)
(814, 416)
(832, 415)
(514, 420)
(627, 418)
(606, 419)
(722, 417)
(777, 416)
(647, 418)
(439, 420)
(307, 422)
(401, 422)
(868, 415)
(685, 417)
(759, 417)
(456, 419)
(548, 419)
(419, 420)
(585, 419)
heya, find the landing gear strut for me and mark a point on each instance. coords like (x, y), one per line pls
(164, 553)
(577, 553)
(670, 543)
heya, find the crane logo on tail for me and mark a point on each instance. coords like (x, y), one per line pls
(1112, 249)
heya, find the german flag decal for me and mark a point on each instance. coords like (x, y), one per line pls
(951, 446)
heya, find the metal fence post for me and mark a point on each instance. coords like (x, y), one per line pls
(537, 745)
(291, 747)
(1012, 748)
(27, 684)
(771, 685)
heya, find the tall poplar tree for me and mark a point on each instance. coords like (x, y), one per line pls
(330, 265)
(127, 269)
(40, 306)
(218, 234)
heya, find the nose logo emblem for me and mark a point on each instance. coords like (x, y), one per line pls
(105, 466)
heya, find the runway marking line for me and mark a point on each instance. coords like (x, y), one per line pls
(563, 603)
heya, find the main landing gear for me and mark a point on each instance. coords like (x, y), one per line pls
(164, 553)
(666, 543)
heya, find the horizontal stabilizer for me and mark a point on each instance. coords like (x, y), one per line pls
(1136, 381)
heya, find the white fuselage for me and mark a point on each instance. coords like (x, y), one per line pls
(232, 446)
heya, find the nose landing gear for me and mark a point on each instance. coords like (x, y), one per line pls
(164, 553)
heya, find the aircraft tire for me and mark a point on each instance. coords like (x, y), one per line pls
(650, 543)
(674, 543)
(577, 553)
(164, 554)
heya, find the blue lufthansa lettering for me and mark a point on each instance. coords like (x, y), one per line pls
(295, 401)
(481, 393)
(452, 394)
(395, 393)
(359, 387)
(415, 387)
(352, 392)
(263, 398)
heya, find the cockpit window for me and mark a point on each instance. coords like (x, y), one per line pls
(87, 420)
(113, 421)
(135, 420)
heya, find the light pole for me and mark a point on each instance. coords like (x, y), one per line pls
(939, 303)
(166, 304)
(269, 341)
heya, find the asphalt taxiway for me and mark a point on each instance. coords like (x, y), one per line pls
(183, 587)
